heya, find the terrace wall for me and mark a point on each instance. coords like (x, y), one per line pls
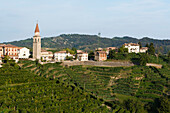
(98, 63)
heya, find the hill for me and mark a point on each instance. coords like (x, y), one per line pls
(124, 89)
(90, 42)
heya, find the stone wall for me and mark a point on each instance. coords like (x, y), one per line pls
(98, 63)
(154, 65)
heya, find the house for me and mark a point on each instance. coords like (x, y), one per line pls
(110, 48)
(79, 51)
(61, 55)
(100, 55)
(23, 53)
(132, 47)
(143, 49)
(13, 52)
(99, 49)
(46, 55)
(82, 56)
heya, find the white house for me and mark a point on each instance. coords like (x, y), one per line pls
(132, 47)
(61, 55)
(143, 49)
(23, 53)
(46, 55)
(82, 56)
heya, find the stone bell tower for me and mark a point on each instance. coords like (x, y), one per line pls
(37, 44)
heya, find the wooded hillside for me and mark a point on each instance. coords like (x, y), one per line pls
(90, 42)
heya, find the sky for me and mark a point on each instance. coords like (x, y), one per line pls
(135, 18)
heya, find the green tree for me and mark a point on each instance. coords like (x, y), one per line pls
(70, 51)
(143, 59)
(140, 44)
(74, 49)
(163, 105)
(147, 45)
(133, 106)
(69, 57)
(91, 55)
(112, 54)
(6, 59)
(123, 50)
(151, 49)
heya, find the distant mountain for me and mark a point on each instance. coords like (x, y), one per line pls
(90, 42)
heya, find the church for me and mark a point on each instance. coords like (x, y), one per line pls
(39, 53)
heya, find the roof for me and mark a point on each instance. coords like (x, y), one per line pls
(111, 48)
(99, 48)
(82, 53)
(131, 44)
(144, 48)
(101, 52)
(7, 45)
(60, 52)
(37, 28)
(79, 51)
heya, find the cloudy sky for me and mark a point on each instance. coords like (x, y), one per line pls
(136, 18)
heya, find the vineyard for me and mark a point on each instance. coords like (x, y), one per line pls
(23, 91)
(51, 87)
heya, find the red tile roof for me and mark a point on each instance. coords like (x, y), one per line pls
(60, 52)
(7, 45)
(101, 52)
(131, 44)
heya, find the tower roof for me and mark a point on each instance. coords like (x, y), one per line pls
(37, 28)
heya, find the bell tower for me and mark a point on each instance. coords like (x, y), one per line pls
(37, 44)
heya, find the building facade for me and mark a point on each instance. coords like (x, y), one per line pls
(132, 47)
(37, 44)
(24, 53)
(61, 55)
(82, 56)
(46, 55)
(100, 55)
(13, 52)
(143, 49)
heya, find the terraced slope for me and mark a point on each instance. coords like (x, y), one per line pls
(21, 91)
(144, 84)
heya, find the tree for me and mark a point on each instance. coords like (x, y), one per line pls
(133, 106)
(70, 51)
(91, 55)
(151, 49)
(74, 49)
(162, 105)
(123, 50)
(112, 54)
(147, 45)
(69, 57)
(6, 59)
(140, 44)
(143, 59)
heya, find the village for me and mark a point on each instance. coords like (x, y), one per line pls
(15, 53)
